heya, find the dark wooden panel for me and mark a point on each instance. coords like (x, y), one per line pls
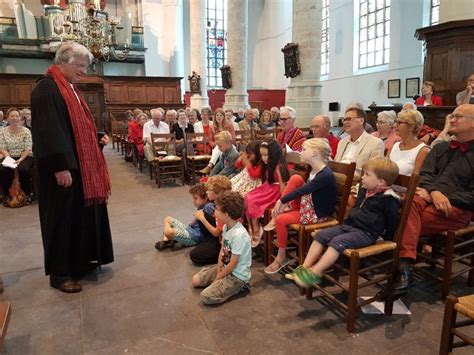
(4, 94)
(117, 94)
(136, 94)
(154, 94)
(170, 95)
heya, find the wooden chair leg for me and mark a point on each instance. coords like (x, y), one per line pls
(353, 288)
(5, 312)
(388, 308)
(301, 245)
(449, 322)
(448, 265)
(470, 277)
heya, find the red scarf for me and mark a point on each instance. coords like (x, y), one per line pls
(94, 173)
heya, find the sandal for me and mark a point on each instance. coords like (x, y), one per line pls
(270, 225)
(276, 266)
(256, 239)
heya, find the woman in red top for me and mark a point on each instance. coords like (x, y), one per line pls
(135, 133)
(428, 98)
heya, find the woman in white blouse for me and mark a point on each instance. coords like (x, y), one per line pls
(410, 152)
(16, 143)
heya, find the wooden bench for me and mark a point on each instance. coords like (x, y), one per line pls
(5, 312)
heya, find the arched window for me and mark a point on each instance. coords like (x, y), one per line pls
(325, 38)
(374, 33)
(216, 40)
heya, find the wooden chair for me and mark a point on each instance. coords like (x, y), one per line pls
(300, 234)
(380, 264)
(166, 165)
(5, 313)
(465, 306)
(265, 135)
(452, 246)
(199, 157)
(242, 139)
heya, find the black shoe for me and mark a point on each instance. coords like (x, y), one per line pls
(162, 245)
(177, 246)
(405, 280)
(65, 284)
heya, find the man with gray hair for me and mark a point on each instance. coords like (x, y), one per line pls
(320, 127)
(155, 125)
(72, 173)
(170, 117)
(290, 135)
(275, 112)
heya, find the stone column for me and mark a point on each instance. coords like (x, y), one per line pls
(198, 20)
(237, 30)
(304, 91)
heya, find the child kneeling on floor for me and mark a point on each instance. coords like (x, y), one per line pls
(376, 213)
(231, 275)
(176, 235)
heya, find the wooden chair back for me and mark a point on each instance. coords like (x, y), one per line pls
(242, 139)
(344, 174)
(199, 143)
(265, 135)
(163, 143)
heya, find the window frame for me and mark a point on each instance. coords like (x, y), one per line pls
(215, 56)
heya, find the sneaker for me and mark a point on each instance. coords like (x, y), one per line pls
(275, 267)
(291, 275)
(306, 278)
(177, 246)
(270, 225)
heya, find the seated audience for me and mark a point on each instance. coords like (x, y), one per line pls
(226, 164)
(194, 117)
(274, 176)
(376, 213)
(135, 134)
(426, 134)
(204, 125)
(16, 143)
(367, 126)
(229, 117)
(177, 236)
(250, 163)
(180, 128)
(220, 124)
(445, 197)
(466, 96)
(240, 115)
(428, 98)
(207, 251)
(311, 202)
(275, 115)
(231, 275)
(248, 123)
(410, 152)
(266, 121)
(3, 120)
(290, 135)
(170, 118)
(320, 128)
(26, 118)
(358, 146)
(385, 130)
(155, 126)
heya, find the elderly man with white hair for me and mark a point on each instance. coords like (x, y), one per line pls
(320, 127)
(155, 125)
(72, 173)
(290, 135)
(170, 117)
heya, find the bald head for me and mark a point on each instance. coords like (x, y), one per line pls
(462, 123)
(320, 126)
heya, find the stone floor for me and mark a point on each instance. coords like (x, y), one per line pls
(144, 303)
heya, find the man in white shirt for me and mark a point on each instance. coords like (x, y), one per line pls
(358, 146)
(153, 126)
(466, 96)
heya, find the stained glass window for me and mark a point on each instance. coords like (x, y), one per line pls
(216, 40)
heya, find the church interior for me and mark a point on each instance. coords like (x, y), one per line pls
(269, 68)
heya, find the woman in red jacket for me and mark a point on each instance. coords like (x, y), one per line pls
(135, 133)
(428, 98)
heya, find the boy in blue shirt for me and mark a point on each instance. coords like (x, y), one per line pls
(177, 235)
(231, 275)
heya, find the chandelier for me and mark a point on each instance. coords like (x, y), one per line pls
(91, 27)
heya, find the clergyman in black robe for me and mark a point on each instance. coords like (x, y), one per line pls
(73, 185)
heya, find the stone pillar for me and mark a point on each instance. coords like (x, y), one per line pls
(237, 30)
(304, 91)
(198, 20)
(462, 10)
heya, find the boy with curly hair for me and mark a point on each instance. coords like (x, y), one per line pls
(176, 235)
(231, 275)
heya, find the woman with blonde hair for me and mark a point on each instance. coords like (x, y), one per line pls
(266, 121)
(304, 203)
(410, 152)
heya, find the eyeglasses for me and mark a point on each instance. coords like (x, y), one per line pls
(381, 122)
(458, 117)
(398, 122)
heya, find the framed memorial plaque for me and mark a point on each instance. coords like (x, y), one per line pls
(412, 87)
(394, 89)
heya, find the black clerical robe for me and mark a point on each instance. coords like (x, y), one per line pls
(76, 239)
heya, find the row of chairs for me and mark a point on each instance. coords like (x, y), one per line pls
(375, 265)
